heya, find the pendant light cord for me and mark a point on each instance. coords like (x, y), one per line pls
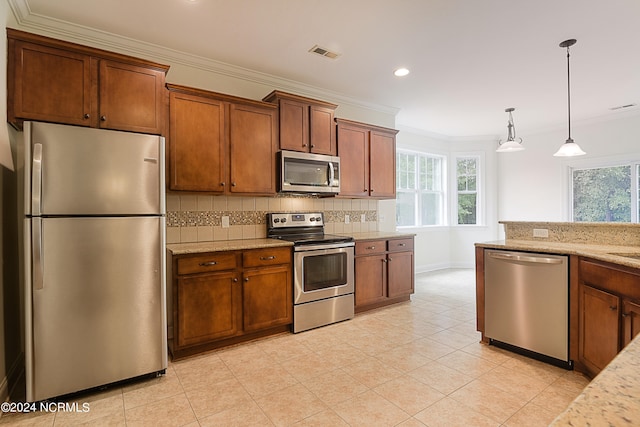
(568, 94)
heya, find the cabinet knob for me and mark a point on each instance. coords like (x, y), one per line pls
(103, 118)
(390, 259)
(613, 307)
(402, 244)
(384, 260)
(625, 314)
(86, 116)
(246, 279)
(267, 258)
(365, 190)
(313, 145)
(304, 145)
(222, 184)
(235, 279)
(371, 247)
(233, 184)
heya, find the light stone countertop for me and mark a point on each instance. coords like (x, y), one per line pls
(612, 398)
(224, 245)
(245, 244)
(609, 253)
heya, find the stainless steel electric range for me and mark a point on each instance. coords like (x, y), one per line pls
(323, 265)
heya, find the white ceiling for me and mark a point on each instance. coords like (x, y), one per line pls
(469, 59)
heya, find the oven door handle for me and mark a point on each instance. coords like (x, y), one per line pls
(325, 246)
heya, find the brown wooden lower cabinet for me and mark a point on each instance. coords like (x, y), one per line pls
(221, 298)
(599, 325)
(384, 272)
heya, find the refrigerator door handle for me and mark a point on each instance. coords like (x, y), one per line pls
(36, 245)
(36, 191)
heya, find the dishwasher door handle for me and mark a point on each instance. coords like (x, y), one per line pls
(525, 258)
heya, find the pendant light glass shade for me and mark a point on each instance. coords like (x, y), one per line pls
(569, 148)
(512, 143)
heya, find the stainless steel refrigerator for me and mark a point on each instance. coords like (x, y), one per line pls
(94, 257)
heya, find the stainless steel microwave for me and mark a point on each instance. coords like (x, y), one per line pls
(309, 173)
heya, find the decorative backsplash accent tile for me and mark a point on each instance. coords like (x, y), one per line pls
(192, 218)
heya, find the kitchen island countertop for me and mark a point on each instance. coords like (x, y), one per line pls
(610, 253)
(612, 398)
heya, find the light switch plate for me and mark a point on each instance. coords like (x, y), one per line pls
(347, 220)
(225, 222)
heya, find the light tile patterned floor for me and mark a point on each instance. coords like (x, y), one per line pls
(412, 364)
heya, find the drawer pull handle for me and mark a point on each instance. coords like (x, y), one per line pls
(402, 244)
(371, 247)
(390, 259)
(613, 307)
(208, 263)
(268, 258)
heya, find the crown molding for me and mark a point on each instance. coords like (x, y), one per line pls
(51, 27)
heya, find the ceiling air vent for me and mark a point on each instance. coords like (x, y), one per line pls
(324, 52)
(621, 107)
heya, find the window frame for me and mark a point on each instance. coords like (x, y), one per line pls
(418, 192)
(632, 160)
(480, 188)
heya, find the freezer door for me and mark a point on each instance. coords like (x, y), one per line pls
(82, 171)
(98, 315)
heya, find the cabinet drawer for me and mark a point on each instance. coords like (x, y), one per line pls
(396, 245)
(610, 277)
(371, 247)
(267, 256)
(214, 261)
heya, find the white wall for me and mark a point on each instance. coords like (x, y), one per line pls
(533, 184)
(453, 245)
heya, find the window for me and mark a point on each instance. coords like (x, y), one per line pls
(467, 189)
(420, 189)
(608, 193)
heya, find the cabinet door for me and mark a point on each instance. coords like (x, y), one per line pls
(322, 130)
(371, 279)
(599, 327)
(267, 299)
(382, 152)
(48, 84)
(294, 125)
(631, 318)
(207, 308)
(131, 98)
(353, 150)
(253, 142)
(400, 270)
(196, 143)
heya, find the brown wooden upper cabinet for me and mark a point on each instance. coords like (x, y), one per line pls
(56, 81)
(367, 160)
(306, 124)
(221, 144)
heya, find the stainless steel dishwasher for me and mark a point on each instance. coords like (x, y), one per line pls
(527, 303)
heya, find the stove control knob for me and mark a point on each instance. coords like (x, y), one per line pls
(276, 220)
(318, 218)
(283, 220)
(312, 219)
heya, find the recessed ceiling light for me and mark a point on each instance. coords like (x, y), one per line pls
(401, 72)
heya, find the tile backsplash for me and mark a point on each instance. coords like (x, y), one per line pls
(194, 218)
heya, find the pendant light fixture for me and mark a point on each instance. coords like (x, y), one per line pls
(512, 143)
(569, 148)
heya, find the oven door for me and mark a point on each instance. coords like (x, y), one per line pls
(322, 271)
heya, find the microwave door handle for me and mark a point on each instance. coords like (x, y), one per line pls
(332, 174)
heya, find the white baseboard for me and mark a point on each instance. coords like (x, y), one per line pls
(435, 267)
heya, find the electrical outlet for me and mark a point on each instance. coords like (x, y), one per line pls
(363, 218)
(346, 219)
(540, 232)
(225, 221)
